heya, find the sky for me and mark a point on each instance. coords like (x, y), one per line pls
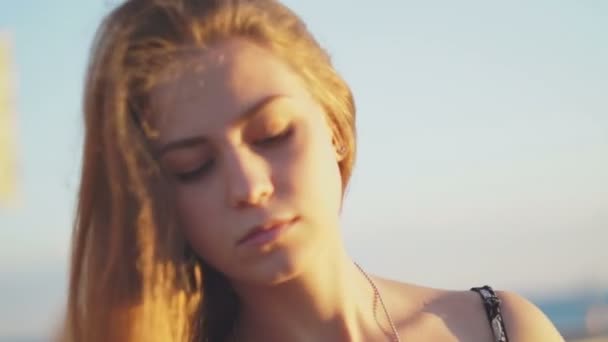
(483, 143)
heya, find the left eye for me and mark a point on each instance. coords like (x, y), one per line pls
(271, 140)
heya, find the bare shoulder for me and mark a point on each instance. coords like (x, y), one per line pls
(438, 314)
(525, 321)
(431, 314)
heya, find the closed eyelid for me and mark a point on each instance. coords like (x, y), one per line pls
(253, 112)
(185, 158)
(266, 124)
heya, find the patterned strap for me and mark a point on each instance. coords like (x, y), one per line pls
(491, 302)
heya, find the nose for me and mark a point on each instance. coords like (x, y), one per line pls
(248, 180)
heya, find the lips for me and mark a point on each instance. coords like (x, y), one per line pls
(266, 232)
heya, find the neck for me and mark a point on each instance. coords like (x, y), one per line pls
(330, 300)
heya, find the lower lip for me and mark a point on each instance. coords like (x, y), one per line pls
(266, 236)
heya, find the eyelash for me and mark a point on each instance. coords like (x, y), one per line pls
(286, 133)
(191, 176)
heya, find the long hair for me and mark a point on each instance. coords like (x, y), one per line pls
(133, 276)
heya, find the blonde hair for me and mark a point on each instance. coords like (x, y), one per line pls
(133, 277)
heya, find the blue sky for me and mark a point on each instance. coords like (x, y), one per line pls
(483, 132)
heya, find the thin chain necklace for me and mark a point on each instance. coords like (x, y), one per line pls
(377, 296)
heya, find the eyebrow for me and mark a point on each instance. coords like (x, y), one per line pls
(199, 140)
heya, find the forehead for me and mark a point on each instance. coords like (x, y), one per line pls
(217, 87)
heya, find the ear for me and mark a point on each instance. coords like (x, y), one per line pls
(339, 148)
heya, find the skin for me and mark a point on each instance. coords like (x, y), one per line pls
(245, 142)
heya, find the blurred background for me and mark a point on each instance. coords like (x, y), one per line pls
(483, 148)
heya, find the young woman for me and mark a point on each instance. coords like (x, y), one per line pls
(219, 142)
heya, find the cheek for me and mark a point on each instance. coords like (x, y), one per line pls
(313, 173)
(200, 219)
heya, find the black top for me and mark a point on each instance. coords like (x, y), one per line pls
(491, 302)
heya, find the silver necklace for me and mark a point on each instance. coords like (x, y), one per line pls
(379, 298)
(376, 295)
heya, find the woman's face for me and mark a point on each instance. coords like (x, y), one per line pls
(252, 161)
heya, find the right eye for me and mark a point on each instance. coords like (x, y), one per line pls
(191, 176)
(275, 139)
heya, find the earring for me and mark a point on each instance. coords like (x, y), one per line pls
(342, 150)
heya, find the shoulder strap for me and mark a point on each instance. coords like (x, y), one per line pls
(491, 302)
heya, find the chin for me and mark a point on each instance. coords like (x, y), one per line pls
(280, 265)
(283, 261)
